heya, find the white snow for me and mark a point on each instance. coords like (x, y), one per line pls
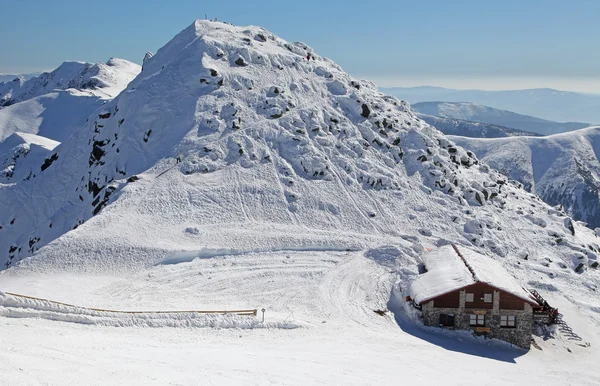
(207, 253)
(490, 271)
(562, 168)
(319, 216)
(555, 105)
(55, 104)
(21, 307)
(446, 272)
(21, 155)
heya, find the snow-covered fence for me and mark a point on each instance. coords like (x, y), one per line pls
(249, 312)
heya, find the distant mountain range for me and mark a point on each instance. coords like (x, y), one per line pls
(467, 111)
(546, 103)
(451, 126)
(11, 77)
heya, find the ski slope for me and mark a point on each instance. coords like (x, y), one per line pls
(299, 190)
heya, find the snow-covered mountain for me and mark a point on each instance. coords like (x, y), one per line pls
(563, 169)
(451, 126)
(478, 113)
(11, 77)
(546, 103)
(299, 189)
(100, 79)
(56, 103)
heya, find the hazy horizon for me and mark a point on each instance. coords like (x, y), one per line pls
(470, 44)
(501, 83)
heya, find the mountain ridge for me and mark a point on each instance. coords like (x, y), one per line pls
(550, 104)
(474, 112)
(464, 128)
(56, 103)
(563, 168)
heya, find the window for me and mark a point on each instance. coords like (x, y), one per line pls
(470, 298)
(487, 298)
(476, 320)
(447, 320)
(508, 321)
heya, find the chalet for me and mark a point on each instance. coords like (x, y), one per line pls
(463, 289)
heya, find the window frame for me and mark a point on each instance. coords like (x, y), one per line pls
(505, 321)
(467, 295)
(447, 318)
(491, 297)
(479, 320)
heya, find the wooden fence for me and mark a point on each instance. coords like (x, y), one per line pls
(234, 312)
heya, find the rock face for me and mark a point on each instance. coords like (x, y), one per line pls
(21, 155)
(259, 151)
(562, 169)
(146, 57)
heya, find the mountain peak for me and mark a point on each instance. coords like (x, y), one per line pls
(237, 135)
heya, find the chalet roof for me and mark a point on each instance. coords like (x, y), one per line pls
(450, 268)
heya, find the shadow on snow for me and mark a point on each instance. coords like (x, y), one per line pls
(458, 341)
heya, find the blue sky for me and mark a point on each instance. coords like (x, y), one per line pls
(490, 44)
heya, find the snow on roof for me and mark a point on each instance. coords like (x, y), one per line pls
(447, 271)
(490, 271)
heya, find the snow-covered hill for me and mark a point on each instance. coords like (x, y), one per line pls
(563, 169)
(546, 103)
(300, 190)
(56, 103)
(451, 126)
(100, 79)
(467, 111)
(10, 77)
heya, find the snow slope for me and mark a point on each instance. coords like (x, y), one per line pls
(563, 169)
(55, 104)
(300, 190)
(546, 103)
(478, 113)
(451, 126)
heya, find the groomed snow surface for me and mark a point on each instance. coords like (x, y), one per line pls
(329, 296)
